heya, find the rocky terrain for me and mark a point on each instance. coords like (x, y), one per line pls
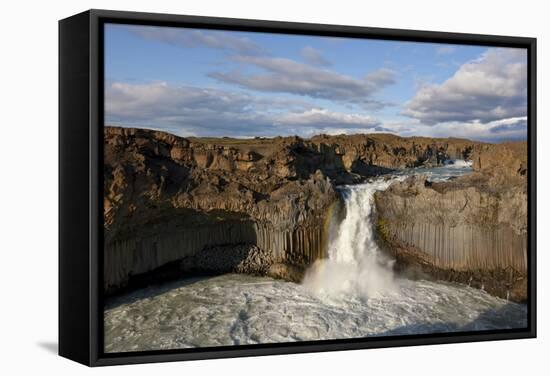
(199, 205)
(472, 229)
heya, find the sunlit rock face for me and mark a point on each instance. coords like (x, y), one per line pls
(167, 198)
(472, 229)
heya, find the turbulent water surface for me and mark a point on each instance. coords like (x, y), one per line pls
(353, 293)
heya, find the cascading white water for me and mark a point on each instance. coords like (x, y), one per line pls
(458, 163)
(351, 294)
(355, 264)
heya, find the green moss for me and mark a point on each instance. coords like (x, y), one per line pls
(383, 230)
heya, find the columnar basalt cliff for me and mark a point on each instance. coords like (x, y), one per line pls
(472, 229)
(168, 198)
(220, 204)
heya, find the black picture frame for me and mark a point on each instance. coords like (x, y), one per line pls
(80, 186)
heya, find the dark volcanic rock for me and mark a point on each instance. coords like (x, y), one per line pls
(239, 258)
(472, 229)
(168, 199)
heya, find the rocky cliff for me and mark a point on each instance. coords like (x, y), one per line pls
(256, 205)
(472, 229)
(168, 198)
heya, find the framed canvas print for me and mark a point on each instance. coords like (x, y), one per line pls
(238, 187)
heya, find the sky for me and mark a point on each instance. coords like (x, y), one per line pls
(198, 82)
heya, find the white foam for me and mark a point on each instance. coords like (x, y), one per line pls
(352, 294)
(355, 264)
(239, 309)
(459, 163)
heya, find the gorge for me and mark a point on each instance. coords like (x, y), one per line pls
(376, 234)
(264, 206)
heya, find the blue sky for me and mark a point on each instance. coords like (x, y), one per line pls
(241, 84)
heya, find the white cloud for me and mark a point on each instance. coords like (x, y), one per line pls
(325, 118)
(187, 110)
(495, 131)
(281, 75)
(314, 56)
(487, 89)
(193, 38)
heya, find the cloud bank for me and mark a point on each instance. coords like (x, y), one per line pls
(196, 38)
(188, 110)
(491, 88)
(314, 57)
(485, 99)
(282, 75)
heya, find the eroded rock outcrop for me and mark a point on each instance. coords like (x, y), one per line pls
(472, 229)
(167, 199)
(175, 201)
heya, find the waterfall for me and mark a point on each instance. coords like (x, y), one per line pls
(355, 264)
(458, 163)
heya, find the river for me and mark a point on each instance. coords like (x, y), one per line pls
(353, 293)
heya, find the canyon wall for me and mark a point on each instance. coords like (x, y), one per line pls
(167, 199)
(220, 204)
(472, 229)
